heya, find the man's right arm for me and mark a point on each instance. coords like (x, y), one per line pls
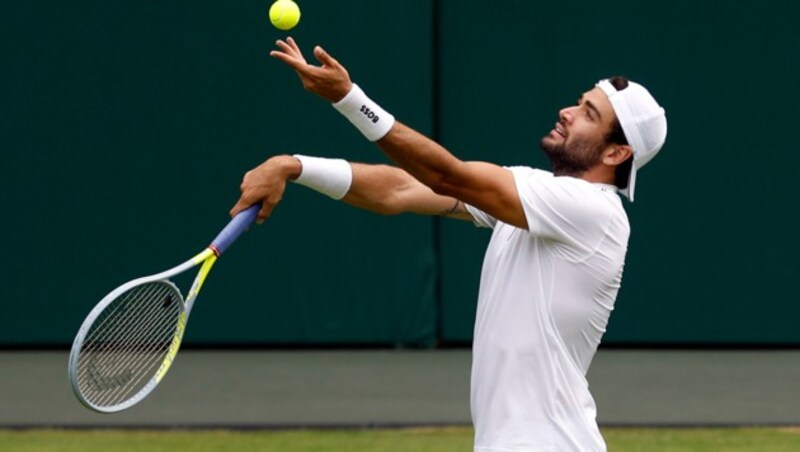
(381, 189)
(389, 190)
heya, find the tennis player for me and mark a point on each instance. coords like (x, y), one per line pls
(553, 267)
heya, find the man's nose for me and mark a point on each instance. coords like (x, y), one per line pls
(566, 114)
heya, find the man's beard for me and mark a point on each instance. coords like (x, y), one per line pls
(573, 159)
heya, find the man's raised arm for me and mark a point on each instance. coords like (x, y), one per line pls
(489, 187)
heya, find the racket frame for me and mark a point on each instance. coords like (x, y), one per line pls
(207, 258)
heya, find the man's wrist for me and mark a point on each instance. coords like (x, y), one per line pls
(339, 96)
(331, 177)
(369, 118)
(289, 166)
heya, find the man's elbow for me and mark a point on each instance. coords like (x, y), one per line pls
(450, 180)
(445, 187)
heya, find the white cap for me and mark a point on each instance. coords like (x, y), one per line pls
(643, 121)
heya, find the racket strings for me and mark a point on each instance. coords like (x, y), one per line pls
(143, 363)
(108, 328)
(122, 351)
(123, 377)
(104, 366)
(111, 329)
(115, 376)
(114, 379)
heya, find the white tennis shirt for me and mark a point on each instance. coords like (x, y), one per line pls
(544, 302)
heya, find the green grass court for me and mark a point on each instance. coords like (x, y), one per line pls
(249, 397)
(417, 439)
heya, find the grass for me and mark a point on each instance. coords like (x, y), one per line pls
(411, 440)
(703, 440)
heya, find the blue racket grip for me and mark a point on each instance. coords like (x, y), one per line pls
(234, 229)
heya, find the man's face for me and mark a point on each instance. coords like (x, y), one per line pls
(578, 139)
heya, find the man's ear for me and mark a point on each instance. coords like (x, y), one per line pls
(616, 154)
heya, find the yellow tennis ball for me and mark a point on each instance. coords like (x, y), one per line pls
(284, 14)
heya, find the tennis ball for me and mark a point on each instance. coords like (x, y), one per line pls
(284, 14)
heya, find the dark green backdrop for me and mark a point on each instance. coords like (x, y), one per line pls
(126, 127)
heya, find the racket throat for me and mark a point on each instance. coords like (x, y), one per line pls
(199, 280)
(216, 250)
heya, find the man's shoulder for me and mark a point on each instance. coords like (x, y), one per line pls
(566, 191)
(527, 171)
(568, 195)
(561, 184)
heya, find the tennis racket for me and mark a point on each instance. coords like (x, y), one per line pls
(129, 340)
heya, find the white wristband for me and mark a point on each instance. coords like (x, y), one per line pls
(368, 117)
(331, 177)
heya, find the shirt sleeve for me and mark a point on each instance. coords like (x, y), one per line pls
(480, 218)
(563, 209)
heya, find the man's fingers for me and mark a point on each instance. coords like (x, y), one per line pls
(290, 54)
(296, 64)
(240, 205)
(263, 214)
(325, 58)
(293, 44)
(292, 50)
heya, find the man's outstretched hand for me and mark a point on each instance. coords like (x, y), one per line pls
(329, 81)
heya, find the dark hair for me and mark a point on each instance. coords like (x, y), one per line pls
(617, 136)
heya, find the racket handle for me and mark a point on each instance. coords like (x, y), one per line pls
(234, 229)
